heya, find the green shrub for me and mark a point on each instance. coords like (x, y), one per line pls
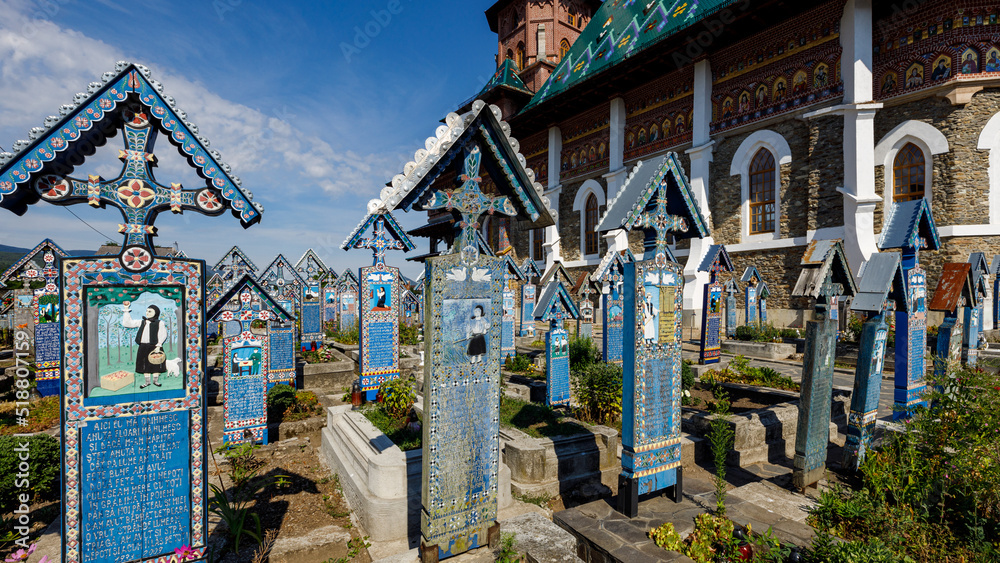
(43, 469)
(396, 429)
(397, 396)
(582, 353)
(687, 375)
(408, 334)
(598, 390)
(280, 398)
(517, 363)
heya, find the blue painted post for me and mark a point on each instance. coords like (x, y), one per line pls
(507, 347)
(731, 322)
(970, 333)
(911, 340)
(557, 361)
(867, 387)
(750, 305)
(527, 328)
(949, 344)
(710, 348)
(614, 317)
(585, 326)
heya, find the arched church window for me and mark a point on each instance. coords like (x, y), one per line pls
(908, 170)
(563, 49)
(762, 186)
(590, 225)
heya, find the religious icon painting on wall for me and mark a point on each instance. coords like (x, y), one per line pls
(821, 76)
(744, 102)
(681, 127)
(466, 322)
(780, 85)
(642, 136)
(889, 83)
(915, 75)
(942, 68)
(601, 150)
(134, 339)
(799, 83)
(970, 62)
(654, 133)
(727, 108)
(992, 61)
(761, 97)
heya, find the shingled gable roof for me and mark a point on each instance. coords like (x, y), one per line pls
(621, 29)
(716, 259)
(506, 78)
(881, 280)
(347, 277)
(995, 267)
(214, 281)
(554, 294)
(530, 269)
(955, 281)
(908, 221)
(234, 252)
(978, 261)
(730, 286)
(611, 259)
(820, 258)
(750, 273)
(507, 167)
(556, 272)
(248, 282)
(584, 278)
(287, 267)
(512, 268)
(376, 210)
(625, 209)
(35, 254)
(55, 147)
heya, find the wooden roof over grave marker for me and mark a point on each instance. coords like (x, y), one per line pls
(881, 281)
(347, 278)
(554, 294)
(626, 209)
(995, 266)
(386, 233)
(235, 254)
(611, 259)
(556, 272)
(730, 286)
(824, 257)
(32, 260)
(310, 266)
(270, 274)
(584, 279)
(512, 269)
(978, 261)
(954, 283)
(910, 225)
(763, 292)
(717, 260)
(217, 311)
(530, 269)
(751, 275)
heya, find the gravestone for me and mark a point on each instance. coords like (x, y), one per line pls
(41, 317)
(881, 291)
(214, 289)
(329, 288)
(585, 289)
(716, 260)
(381, 289)
(246, 358)
(973, 314)
(910, 228)
(462, 323)
(312, 270)
(281, 367)
(555, 305)
(825, 277)
(954, 294)
(282, 281)
(751, 299)
(731, 290)
(657, 198)
(511, 272)
(347, 296)
(995, 273)
(233, 265)
(763, 293)
(411, 308)
(611, 274)
(528, 296)
(132, 430)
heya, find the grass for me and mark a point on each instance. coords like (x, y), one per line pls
(394, 428)
(42, 415)
(537, 421)
(541, 499)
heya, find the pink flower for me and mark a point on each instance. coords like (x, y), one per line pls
(185, 553)
(21, 555)
(45, 559)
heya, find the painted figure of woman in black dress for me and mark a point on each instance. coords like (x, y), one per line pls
(150, 338)
(477, 339)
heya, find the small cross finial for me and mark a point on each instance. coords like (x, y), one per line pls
(380, 241)
(659, 220)
(471, 203)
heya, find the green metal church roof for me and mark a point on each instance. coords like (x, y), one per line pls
(505, 77)
(621, 29)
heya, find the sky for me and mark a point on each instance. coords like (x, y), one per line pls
(315, 105)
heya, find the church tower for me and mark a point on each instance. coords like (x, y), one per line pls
(536, 34)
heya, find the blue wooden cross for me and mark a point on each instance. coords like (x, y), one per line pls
(380, 241)
(471, 203)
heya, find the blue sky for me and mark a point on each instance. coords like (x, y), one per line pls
(316, 105)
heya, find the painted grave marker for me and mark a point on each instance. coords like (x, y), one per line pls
(555, 305)
(381, 289)
(973, 313)
(133, 326)
(910, 227)
(528, 295)
(246, 358)
(716, 260)
(464, 306)
(825, 277)
(656, 198)
(611, 273)
(585, 288)
(233, 265)
(731, 290)
(881, 291)
(954, 294)
(751, 299)
(411, 308)
(511, 273)
(347, 295)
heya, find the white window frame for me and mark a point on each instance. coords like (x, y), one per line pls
(580, 206)
(927, 138)
(531, 248)
(742, 159)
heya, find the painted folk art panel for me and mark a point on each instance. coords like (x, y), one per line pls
(527, 327)
(329, 304)
(864, 402)
(614, 322)
(557, 367)
(909, 378)
(711, 324)
(245, 389)
(461, 411)
(651, 397)
(133, 410)
(379, 337)
(282, 355)
(507, 347)
(348, 309)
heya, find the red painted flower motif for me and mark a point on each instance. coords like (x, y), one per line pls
(208, 201)
(136, 194)
(136, 258)
(52, 187)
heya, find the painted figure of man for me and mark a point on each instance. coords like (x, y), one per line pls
(477, 335)
(649, 328)
(150, 338)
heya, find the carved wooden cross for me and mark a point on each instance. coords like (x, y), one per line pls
(135, 192)
(470, 201)
(379, 243)
(663, 223)
(246, 315)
